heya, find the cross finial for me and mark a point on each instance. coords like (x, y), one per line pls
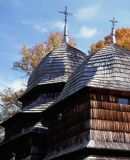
(113, 22)
(113, 39)
(66, 13)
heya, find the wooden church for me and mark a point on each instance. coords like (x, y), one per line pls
(26, 132)
(75, 107)
(91, 117)
(90, 120)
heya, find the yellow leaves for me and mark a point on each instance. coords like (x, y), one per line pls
(122, 39)
(56, 39)
(98, 46)
(30, 57)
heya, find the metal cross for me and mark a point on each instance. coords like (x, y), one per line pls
(113, 22)
(113, 38)
(66, 13)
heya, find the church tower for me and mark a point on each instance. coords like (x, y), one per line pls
(26, 132)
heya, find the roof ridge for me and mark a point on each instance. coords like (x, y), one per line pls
(117, 45)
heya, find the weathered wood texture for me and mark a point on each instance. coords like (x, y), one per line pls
(99, 122)
(110, 121)
(44, 86)
(57, 66)
(40, 102)
(107, 69)
(93, 157)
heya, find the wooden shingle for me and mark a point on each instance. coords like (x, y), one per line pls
(57, 66)
(107, 69)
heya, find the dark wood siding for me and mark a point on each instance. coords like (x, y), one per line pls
(110, 121)
(69, 126)
(99, 117)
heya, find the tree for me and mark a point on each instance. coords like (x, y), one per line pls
(9, 102)
(122, 38)
(1, 128)
(30, 57)
(9, 106)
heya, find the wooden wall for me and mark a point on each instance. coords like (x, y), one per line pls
(69, 125)
(97, 116)
(110, 121)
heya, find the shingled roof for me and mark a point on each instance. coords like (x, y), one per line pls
(92, 145)
(57, 66)
(108, 69)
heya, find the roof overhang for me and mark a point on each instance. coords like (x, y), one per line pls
(79, 95)
(51, 87)
(20, 116)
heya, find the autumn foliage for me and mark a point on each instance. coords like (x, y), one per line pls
(9, 102)
(30, 57)
(122, 39)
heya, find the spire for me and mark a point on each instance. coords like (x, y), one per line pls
(66, 39)
(113, 38)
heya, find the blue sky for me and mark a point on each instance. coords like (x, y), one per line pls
(30, 21)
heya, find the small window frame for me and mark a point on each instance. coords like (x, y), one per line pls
(122, 100)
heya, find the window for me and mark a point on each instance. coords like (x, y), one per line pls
(123, 101)
(60, 116)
